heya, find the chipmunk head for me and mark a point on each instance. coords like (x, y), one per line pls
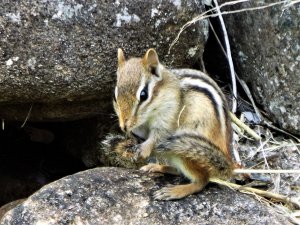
(137, 86)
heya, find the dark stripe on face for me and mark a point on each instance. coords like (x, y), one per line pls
(114, 95)
(208, 94)
(146, 88)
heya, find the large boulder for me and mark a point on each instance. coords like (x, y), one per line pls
(266, 50)
(58, 58)
(121, 196)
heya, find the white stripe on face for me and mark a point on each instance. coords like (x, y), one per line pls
(116, 92)
(141, 87)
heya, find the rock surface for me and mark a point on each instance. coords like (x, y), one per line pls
(266, 49)
(59, 57)
(5, 208)
(120, 196)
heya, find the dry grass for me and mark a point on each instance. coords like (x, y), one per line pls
(277, 160)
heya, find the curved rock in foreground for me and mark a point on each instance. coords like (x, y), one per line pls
(121, 196)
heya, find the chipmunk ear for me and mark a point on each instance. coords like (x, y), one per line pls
(151, 61)
(121, 57)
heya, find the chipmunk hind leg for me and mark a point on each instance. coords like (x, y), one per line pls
(196, 172)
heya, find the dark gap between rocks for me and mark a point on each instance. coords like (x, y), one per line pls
(40, 153)
(216, 65)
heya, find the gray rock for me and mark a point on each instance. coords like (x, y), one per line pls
(5, 208)
(60, 56)
(266, 49)
(122, 196)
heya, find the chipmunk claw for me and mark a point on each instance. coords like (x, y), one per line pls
(165, 193)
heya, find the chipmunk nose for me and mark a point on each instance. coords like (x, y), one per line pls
(123, 125)
(125, 128)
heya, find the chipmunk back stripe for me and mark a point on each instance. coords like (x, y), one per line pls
(204, 79)
(195, 74)
(214, 95)
(208, 94)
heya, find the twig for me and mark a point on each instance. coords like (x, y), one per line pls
(290, 214)
(27, 117)
(292, 3)
(272, 148)
(267, 194)
(262, 147)
(249, 95)
(236, 156)
(204, 16)
(237, 171)
(244, 126)
(242, 83)
(201, 17)
(229, 57)
(280, 130)
(296, 214)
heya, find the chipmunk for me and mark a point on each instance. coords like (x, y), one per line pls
(182, 118)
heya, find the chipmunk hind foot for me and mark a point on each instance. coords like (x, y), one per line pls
(197, 172)
(178, 191)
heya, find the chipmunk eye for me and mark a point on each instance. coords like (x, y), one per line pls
(144, 94)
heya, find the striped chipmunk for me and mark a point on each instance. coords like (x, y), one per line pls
(181, 116)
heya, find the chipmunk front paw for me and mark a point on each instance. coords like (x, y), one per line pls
(143, 151)
(152, 168)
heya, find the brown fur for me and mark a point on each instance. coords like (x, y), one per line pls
(205, 114)
(178, 191)
(118, 150)
(184, 124)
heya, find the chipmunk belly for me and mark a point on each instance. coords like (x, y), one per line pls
(180, 165)
(190, 168)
